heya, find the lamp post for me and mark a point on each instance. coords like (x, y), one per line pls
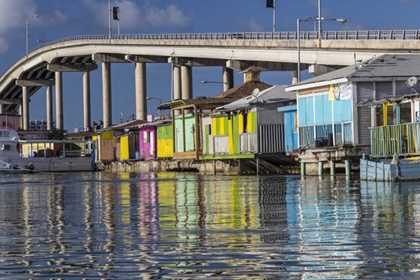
(27, 32)
(212, 82)
(109, 20)
(151, 97)
(160, 102)
(340, 20)
(118, 15)
(319, 20)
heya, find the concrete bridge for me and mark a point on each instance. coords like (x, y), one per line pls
(44, 65)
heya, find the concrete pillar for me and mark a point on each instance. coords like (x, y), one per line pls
(320, 168)
(332, 168)
(1, 109)
(141, 91)
(86, 101)
(186, 83)
(177, 81)
(294, 76)
(25, 108)
(302, 169)
(49, 107)
(227, 78)
(59, 100)
(106, 94)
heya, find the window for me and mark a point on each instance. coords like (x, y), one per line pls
(245, 123)
(146, 136)
(5, 147)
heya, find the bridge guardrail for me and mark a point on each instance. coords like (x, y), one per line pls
(291, 35)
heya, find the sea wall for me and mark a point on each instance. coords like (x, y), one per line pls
(162, 165)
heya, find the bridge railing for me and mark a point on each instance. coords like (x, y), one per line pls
(291, 35)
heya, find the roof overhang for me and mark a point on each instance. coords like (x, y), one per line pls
(317, 84)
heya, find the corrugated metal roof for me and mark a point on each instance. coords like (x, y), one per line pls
(130, 124)
(156, 123)
(243, 90)
(273, 94)
(384, 66)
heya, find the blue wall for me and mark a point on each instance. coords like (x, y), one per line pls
(290, 136)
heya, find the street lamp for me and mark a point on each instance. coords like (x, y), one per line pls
(160, 102)
(151, 97)
(212, 82)
(27, 32)
(118, 15)
(340, 20)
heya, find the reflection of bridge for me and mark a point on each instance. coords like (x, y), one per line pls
(277, 51)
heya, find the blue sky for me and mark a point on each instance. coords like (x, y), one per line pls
(63, 18)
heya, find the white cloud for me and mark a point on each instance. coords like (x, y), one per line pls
(15, 13)
(254, 26)
(134, 17)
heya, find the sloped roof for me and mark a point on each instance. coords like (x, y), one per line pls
(157, 123)
(243, 90)
(130, 124)
(232, 94)
(273, 94)
(384, 66)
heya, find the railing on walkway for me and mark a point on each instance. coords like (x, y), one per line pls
(319, 135)
(402, 139)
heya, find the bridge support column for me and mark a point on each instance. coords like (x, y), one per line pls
(294, 76)
(86, 101)
(177, 81)
(227, 78)
(141, 91)
(1, 109)
(106, 94)
(49, 107)
(59, 100)
(186, 84)
(176, 76)
(25, 108)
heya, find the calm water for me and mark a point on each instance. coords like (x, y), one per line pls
(189, 226)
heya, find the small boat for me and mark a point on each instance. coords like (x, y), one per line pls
(39, 155)
(389, 170)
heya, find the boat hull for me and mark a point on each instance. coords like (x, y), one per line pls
(51, 164)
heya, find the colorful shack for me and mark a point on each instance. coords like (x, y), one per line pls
(119, 141)
(250, 130)
(165, 148)
(148, 139)
(187, 114)
(333, 129)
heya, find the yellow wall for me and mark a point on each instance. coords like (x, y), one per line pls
(164, 149)
(124, 147)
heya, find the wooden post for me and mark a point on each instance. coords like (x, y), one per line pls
(258, 164)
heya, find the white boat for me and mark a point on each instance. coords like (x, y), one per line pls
(18, 155)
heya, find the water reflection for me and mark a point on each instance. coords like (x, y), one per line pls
(168, 225)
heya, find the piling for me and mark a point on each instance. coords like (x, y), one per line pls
(332, 168)
(348, 167)
(302, 169)
(320, 168)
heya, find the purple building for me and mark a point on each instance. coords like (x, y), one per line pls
(148, 139)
